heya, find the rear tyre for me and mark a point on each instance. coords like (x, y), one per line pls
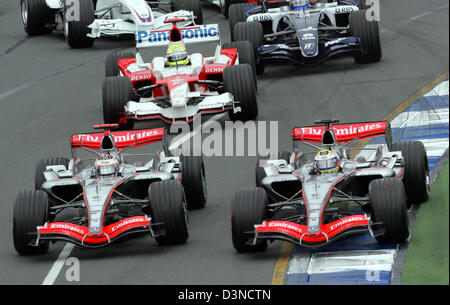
(76, 31)
(191, 6)
(227, 4)
(388, 204)
(248, 208)
(39, 178)
(260, 173)
(245, 54)
(117, 92)
(193, 179)
(239, 80)
(30, 211)
(167, 205)
(369, 34)
(237, 14)
(36, 15)
(416, 177)
(362, 5)
(253, 32)
(112, 63)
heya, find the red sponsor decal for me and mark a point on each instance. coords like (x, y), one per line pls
(82, 233)
(343, 132)
(123, 139)
(300, 231)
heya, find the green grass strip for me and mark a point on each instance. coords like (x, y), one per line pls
(426, 261)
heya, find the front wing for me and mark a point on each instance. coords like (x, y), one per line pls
(150, 110)
(297, 234)
(79, 235)
(340, 46)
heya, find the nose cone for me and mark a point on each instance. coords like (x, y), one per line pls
(179, 95)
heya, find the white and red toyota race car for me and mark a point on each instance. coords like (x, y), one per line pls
(95, 201)
(84, 20)
(135, 90)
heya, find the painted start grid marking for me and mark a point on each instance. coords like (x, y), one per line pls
(360, 259)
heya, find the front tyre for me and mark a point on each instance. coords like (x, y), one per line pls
(76, 31)
(239, 81)
(167, 205)
(245, 54)
(30, 211)
(248, 208)
(388, 204)
(369, 34)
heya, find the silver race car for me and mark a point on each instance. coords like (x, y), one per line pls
(84, 20)
(93, 202)
(312, 199)
(178, 87)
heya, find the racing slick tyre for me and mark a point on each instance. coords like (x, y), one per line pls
(117, 92)
(36, 15)
(388, 204)
(227, 4)
(416, 177)
(112, 62)
(245, 54)
(248, 208)
(167, 206)
(193, 6)
(39, 178)
(369, 34)
(193, 179)
(30, 211)
(236, 15)
(239, 81)
(362, 5)
(76, 31)
(253, 32)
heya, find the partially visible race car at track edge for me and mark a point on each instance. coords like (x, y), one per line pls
(178, 93)
(312, 203)
(112, 198)
(306, 32)
(225, 4)
(84, 20)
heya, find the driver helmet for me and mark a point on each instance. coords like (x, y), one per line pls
(106, 165)
(177, 54)
(298, 5)
(326, 162)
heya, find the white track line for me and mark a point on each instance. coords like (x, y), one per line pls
(57, 266)
(185, 138)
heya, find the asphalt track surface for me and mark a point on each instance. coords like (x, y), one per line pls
(48, 92)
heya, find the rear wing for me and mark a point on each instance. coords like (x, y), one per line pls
(192, 34)
(343, 133)
(122, 139)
